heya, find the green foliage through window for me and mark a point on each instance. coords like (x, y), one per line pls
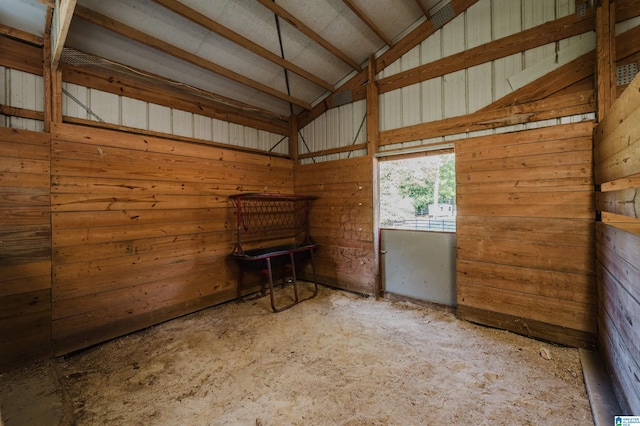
(409, 187)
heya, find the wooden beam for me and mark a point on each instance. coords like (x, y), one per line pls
(136, 35)
(415, 37)
(373, 132)
(332, 151)
(300, 26)
(534, 37)
(364, 18)
(49, 3)
(21, 35)
(213, 26)
(21, 112)
(172, 94)
(605, 58)
(560, 106)
(62, 14)
(293, 139)
(46, 69)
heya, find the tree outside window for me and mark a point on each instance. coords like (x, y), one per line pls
(418, 193)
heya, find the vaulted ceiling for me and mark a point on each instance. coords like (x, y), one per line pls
(278, 57)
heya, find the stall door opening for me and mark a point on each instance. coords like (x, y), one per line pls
(417, 227)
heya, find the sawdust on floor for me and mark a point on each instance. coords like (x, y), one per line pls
(338, 359)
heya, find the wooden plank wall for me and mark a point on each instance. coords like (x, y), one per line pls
(342, 221)
(617, 172)
(25, 247)
(141, 228)
(525, 233)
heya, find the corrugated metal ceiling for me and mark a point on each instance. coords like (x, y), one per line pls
(122, 31)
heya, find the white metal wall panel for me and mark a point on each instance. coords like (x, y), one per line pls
(160, 118)
(338, 127)
(455, 94)
(220, 130)
(250, 138)
(479, 87)
(182, 123)
(104, 105)
(360, 121)
(236, 134)
(453, 36)
(624, 26)
(565, 8)
(432, 99)
(202, 127)
(503, 69)
(134, 113)
(25, 90)
(70, 106)
(3, 85)
(506, 18)
(478, 24)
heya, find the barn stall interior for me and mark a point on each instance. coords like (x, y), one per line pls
(128, 125)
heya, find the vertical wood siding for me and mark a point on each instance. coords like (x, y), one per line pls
(341, 221)
(617, 171)
(141, 229)
(525, 232)
(25, 247)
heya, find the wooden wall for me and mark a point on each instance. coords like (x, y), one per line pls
(342, 221)
(525, 233)
(617, 172)
(25, 247)
(142, 227)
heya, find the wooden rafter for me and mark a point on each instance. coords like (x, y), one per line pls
(146, 39)
(21, 35)
(364, 18)
(62, 15)
(213, 26)
(300, 26)
(49, 3)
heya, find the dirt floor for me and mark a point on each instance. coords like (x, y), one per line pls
(338, 359)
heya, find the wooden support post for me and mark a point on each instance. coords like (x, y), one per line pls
(62, 20)
(373, 136)
(46, 71)
(373, 131)
(606, 53)
(293, 138)
(56, 96)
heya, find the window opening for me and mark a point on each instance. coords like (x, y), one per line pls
(419, 193)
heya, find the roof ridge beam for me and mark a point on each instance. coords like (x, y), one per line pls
(136, 35)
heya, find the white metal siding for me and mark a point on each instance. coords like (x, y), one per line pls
(338, 127)
(89, 104)
(469, 90)
(21, 90)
